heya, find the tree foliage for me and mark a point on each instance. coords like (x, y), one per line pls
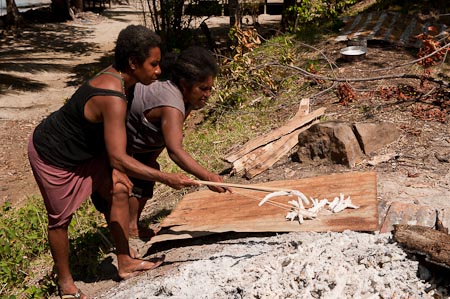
(296, 14)
(167, 19)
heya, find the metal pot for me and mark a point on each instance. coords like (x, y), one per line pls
(354, 53)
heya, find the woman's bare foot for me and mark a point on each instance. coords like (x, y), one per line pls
(137, 266)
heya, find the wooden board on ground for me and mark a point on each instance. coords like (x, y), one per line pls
(205, 212)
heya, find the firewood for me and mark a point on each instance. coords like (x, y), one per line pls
(299, 120)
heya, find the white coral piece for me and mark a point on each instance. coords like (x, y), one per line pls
(317, 205)
(273, 194)
(299, 211)
(300, 195)
(291, 215)
(341, 203)
(297, 193)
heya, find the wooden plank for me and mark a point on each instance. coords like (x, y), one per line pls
(274, 153)
(206, 212)
(251, 159)
(239, 164)
(296, 122)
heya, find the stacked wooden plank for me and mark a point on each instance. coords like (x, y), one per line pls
(260, 153)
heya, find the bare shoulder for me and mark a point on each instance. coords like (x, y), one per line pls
(109, 79)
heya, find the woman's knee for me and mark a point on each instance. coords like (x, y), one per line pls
(121, 189)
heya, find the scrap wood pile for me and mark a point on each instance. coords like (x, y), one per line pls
(260, 153)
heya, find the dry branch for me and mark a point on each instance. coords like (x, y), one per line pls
(393, 76)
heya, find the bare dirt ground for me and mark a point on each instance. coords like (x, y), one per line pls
(41, 66)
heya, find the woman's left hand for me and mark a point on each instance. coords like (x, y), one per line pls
(217, 178)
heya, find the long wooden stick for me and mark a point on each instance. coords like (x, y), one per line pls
(243, 186)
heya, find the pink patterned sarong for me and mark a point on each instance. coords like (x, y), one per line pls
(65, 190)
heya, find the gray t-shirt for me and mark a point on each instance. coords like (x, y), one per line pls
(143, 136)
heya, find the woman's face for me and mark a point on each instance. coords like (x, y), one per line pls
(198, 94)
(149, 71)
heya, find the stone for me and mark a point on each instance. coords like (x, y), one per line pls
(374, 136)
(333, 141)
(443, 219)
(410, 214)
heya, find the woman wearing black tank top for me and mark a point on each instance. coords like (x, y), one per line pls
(73, 151)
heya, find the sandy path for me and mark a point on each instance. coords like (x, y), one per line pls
(39, 70)
(87, 40)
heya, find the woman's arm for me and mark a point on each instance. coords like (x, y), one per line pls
(172, 128)
(113, 111)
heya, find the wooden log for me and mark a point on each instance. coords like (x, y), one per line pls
(296, 122)
(435, 245)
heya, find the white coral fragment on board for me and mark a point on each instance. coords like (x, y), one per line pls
(273, 194)
(317, 204)
(299, 211)
(341, 203)
(297, 193)
(291, 215)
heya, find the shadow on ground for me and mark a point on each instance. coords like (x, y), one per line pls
(42, 45)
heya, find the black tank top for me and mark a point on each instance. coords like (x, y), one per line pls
(66, 138)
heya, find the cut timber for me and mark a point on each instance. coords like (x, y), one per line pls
(272, 154)
(435, 245)
(205, 212)
(296, 122)
(249, 158)
(262, 158)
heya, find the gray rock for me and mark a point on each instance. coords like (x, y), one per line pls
(374, 136)
(443, 219)
(334, 141)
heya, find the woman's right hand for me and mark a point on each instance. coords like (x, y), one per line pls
(179, 181)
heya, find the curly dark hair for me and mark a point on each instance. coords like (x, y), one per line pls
(134, 42)
(193, 65)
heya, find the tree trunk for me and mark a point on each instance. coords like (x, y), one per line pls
(284, 15)
(235, 16)
(61, 10)
(13, 17)
(78, 5)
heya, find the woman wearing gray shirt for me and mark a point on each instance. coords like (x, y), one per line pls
(156, 119)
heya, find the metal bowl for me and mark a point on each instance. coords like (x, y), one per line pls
(354, 53)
